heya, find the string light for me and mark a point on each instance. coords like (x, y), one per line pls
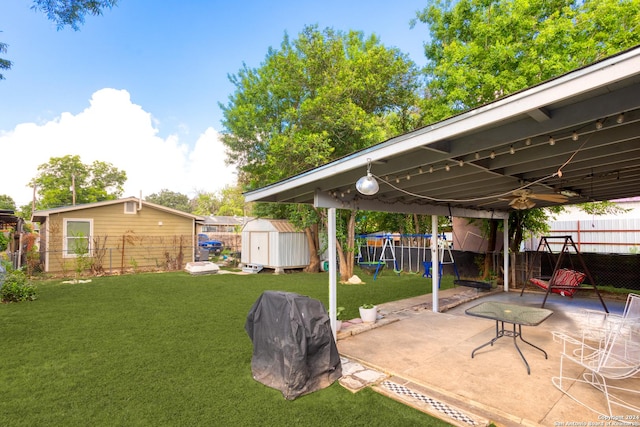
(461, 163)
(477, 155)
(408, 177)
(430, 169)
(599, 125)
(492, 155)
(512, 150)
(528, 141)
(575, 136)
(620, 118)
(420, 169)
(552, 141)
(447, 168)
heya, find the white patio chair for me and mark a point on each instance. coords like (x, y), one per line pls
(597, 321)
(607, 362)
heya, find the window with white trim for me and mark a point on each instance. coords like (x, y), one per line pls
(77, 237)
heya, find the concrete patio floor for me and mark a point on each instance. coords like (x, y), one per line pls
(424, 359)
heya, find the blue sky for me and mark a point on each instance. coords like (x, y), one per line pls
(139, 87)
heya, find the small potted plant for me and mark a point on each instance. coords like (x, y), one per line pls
(339, 311)
(368, 313)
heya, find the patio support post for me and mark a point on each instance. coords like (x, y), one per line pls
(505, 251)
(331, 222)
(435, 263)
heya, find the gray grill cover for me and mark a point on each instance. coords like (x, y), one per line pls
(293, 346)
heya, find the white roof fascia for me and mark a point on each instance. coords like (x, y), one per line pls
(325, 200)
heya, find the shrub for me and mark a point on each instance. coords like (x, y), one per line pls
(4, 241)
(17, 287)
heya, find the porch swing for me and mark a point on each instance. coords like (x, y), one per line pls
(564, 279)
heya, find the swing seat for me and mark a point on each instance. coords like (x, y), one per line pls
(371, 267)
(564, 282)
(427, 269)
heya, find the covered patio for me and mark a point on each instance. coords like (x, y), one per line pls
(425, 361)
(570, 140)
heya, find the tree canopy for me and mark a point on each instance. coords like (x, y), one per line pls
(481, 50)
(7, 202)
(71, 12)
(318, 97)
(63, 13)
(171, 199)
(63, 177)
(5, 64)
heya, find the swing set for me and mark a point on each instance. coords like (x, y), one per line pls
(379, 249)
(445, 256)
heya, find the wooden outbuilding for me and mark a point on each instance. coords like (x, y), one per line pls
(274, 244)
(116, 235)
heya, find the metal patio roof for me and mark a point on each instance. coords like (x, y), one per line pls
(577, 134)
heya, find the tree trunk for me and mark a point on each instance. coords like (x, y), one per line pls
(491, 246)
(516, 233)
(347, 254)
(313, 243)
(345, 274)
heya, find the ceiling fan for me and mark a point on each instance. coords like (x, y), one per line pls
(523, 199)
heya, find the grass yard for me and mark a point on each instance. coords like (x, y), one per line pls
(169, 349)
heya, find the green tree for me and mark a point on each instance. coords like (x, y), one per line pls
(480, 50)
(64, 179)
(71, 12)
(5, 64)
(63, 13)
(170, 199)
(232, 201)
(6, 202)
(603, 208)
(205, 204)
(316, 98)
(227, 201)
(25, 211)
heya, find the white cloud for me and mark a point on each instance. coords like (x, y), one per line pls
(114, 130)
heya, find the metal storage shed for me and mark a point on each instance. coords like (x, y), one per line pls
(274, 243)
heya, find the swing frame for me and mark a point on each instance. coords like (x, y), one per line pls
(387, 245)
(562, 279)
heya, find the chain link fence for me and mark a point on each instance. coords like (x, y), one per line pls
(615, 270)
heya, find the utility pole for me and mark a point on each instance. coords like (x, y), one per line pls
(33, 202)
(73, 188)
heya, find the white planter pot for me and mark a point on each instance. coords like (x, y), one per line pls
(369, 315)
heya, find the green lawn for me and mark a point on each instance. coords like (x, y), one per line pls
(170, 349)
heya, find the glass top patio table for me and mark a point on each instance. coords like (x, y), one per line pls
(510, 313)
(514, 314)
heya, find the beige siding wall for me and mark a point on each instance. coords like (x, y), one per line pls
(149, 239)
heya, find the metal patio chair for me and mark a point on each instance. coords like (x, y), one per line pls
(629, 321)
(608, 362)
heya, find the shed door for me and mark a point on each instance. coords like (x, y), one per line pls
(259, 248)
